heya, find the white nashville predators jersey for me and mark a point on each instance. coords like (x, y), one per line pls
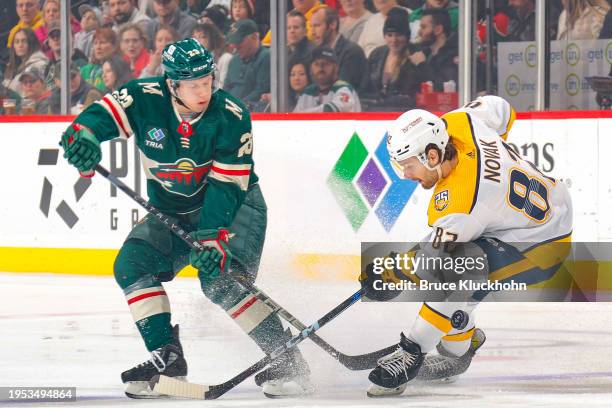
(493, 192)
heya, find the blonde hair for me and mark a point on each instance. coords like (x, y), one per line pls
(575, 8)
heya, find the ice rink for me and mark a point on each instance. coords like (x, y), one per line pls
(60, 330)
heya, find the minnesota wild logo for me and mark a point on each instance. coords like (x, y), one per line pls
(183, 177)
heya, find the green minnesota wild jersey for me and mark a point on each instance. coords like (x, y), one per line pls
(203, 163)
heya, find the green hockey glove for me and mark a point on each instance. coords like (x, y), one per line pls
(81, 149)
(216, 257)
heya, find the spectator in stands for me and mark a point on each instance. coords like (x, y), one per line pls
(213, 40)
(105, 44)
(54, 45)
(248, 74)
(123, 12)
(242, 10)
(51, 13)
(82, 94)
(132, 43)
(327, 93)
(299, 47)
(115, 73)
(165, 35)
(351, 59)
(352, 24)
(442, 54)
(34, 92)
(415, 17)
(168, 13)
(298, 81)
(394, 73)
(216, 15)
(522, 20)
(91, 20)
(10, 101)
(582, 19)
(30, 16)
(307, 8)
(25, 52)
(372, 36)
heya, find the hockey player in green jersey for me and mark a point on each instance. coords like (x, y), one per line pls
(196, 148)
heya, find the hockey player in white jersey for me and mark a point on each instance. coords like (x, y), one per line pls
(482, 190)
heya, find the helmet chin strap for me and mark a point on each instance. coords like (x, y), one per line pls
(174, 93)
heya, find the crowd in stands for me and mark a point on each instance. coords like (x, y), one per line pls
(344, 55)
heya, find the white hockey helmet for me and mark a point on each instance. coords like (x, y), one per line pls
(409, 136)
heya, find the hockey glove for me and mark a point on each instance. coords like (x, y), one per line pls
(81, 149)
(215, 258)
(372, 283)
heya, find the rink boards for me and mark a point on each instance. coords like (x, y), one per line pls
(326, 181)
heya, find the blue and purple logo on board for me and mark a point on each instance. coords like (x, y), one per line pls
(362, 182)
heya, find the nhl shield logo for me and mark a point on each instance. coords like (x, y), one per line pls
(441, 200)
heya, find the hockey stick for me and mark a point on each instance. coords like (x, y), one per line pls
(358, 362)
(177, 388)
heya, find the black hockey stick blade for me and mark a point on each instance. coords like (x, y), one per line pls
(182, 389)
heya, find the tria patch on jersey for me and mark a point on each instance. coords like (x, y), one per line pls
(154, 138)
(441, 200)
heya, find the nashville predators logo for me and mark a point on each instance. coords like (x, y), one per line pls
(184, 177)
(441, 200)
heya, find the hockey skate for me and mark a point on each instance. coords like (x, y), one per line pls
(393, 372)
(445, 367)
(287, 376)
(167, 360)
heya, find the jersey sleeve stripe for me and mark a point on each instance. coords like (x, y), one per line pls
(469, 119)
(240, 181)
(231, 173)
(510, 123)
(232, 169)
(118, 114)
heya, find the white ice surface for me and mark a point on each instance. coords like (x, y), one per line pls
(58, 330)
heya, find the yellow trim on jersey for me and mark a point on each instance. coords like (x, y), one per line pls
(462, 183)
(543, 256)
(434, 318)
(510, 123)
(551, 253)
(511, 270)
(460, 336)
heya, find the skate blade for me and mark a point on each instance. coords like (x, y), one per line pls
(288, 389)
(376, 391)
(142, 390)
